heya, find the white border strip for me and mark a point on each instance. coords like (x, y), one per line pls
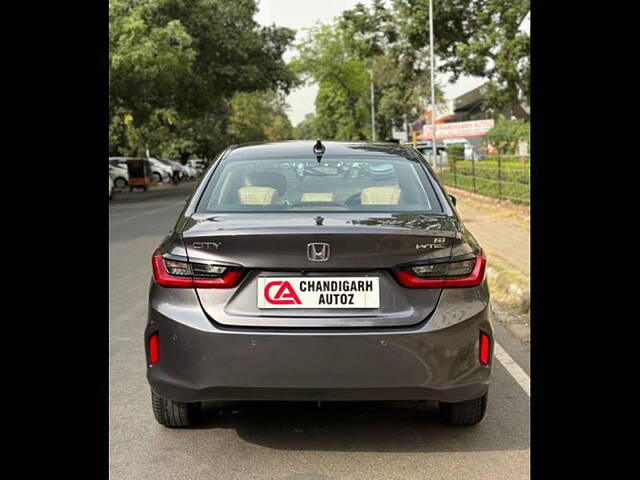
(513, 368)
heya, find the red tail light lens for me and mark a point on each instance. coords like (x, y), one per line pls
(464, 273)
(179, 274)
(154, 349)
(484, 348)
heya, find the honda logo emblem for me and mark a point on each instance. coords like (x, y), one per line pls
(318, 252)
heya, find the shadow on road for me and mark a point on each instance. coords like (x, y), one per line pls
(358, 427)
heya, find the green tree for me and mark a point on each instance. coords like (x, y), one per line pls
(306, 129)
(365, 44)
(478, 38)
(342, 79)
(259, 116)
(177, 64)
(505, 134)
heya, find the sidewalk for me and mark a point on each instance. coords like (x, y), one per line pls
(503, 232)
(505, 238)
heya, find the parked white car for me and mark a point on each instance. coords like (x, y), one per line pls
(119, 175)
(197, 164)
(176, 168)
(160, 171)
(469, 151)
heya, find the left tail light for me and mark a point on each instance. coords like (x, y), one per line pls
(180, 274)
(460, 273)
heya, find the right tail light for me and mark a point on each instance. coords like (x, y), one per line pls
(460, 273)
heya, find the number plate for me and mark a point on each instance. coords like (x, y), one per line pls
(318, 292)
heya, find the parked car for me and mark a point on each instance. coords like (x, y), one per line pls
(191, 172)
(186, 172)
(426, 149)
(159, 171)
(197, 163)
(176, 169)
(469, 150)
(285, 279)
(119, 174)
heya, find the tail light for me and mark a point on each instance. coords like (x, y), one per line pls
(154, 349)
(461, 273)
(484, 350)
(179, 274)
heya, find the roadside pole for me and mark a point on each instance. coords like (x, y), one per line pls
(373, 112)
(434, 142)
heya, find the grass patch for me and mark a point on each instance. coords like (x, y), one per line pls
(508, 286)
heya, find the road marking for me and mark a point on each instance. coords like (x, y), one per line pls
(143, 214)
(513, 368)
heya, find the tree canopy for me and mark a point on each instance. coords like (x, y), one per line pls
(176, 65)
(478, 38)
(364, 45)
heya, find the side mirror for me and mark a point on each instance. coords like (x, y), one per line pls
(453, 199)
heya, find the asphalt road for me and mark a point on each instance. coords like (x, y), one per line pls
(292, 441)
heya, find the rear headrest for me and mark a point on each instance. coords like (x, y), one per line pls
(267, 179)
(381, 195)
(257, 195)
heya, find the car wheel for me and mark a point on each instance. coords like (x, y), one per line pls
(120, 182)
(157, 177)
(175, 414)
(464, 413)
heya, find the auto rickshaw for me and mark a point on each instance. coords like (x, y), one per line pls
(139, 173)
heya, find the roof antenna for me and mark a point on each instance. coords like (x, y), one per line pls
(319, 150)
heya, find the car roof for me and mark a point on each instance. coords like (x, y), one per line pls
(304, 148)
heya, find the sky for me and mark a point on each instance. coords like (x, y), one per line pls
(300, 14)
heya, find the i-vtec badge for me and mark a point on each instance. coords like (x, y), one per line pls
(438, 242)
(215, 245)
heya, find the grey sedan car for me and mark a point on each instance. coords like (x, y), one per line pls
(323, 272)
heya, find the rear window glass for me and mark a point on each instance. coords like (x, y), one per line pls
(349, 184)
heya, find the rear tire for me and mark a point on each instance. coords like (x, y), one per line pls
(175, 414)
(157, 177)
(464, 413)
(120, 182)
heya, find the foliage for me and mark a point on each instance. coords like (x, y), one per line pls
(175, 65)
(455, 153)
(505, 134)
(508, 181)
(306, 129)
(478, 38)
(363, 45)
(259, 116)
(342, 78)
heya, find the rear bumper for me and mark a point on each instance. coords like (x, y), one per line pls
(437, 360)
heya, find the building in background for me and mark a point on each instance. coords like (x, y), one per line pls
(465, 117)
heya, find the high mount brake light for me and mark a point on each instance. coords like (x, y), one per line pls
(465, 273)
(178, 274)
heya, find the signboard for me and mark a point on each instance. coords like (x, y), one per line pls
(473, 128)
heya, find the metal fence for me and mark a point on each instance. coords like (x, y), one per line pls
(506, 177)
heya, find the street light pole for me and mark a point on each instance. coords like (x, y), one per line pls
(434, 145)
(373, 112)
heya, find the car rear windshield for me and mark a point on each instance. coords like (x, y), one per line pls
(358, 184)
